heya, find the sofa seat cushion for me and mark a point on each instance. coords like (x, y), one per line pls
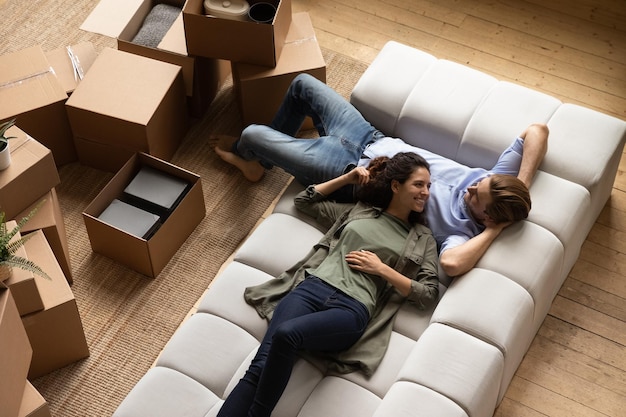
(390, 78)
(504, 113)
(164, 392)
(208, 349)
(225, 298)
(440, 105)
(563, 208)
(538, 254)
(572, 130)
(457, 365)
(337, 397)
(277, 244)
(424, 402)
(493, 308)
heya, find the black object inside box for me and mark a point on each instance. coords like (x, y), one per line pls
(146, 202)
(155, 191)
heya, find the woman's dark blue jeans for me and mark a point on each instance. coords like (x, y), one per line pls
(315, 316)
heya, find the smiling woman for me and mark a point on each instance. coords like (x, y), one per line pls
(369, 252)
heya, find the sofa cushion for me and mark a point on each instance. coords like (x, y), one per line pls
(493, 308)
(163, 392)
(390, 78)
(336, 397)
(208, 349)
(440, 105)
(277, 244)
(504, 113)
(459, 366)
(225, 299)
(538, 255)
(424, 402)
(563, 208)
(572, 130)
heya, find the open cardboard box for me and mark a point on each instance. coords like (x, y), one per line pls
(127, 103)
(34, 96)
(260, 90)
(30, 176)
(22, 283)
(56, 333)
(122, 19)
(235, 40)
(146, 256)
(15, 354)
(49, 219)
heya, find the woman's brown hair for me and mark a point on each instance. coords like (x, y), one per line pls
(383, 170)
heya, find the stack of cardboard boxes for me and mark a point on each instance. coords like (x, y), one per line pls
(264, 57)
(40, 326)
(124, 110)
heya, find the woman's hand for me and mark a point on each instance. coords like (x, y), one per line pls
(358, 176)
(365, 261)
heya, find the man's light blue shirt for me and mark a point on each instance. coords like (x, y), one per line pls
(447, 214)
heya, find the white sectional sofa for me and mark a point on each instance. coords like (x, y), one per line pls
(458, 358)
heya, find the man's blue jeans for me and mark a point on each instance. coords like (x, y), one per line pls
(344, 134)
(315, 316)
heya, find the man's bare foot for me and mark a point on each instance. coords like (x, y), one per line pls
(252, 170)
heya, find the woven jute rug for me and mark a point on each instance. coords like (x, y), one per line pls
(127, 317)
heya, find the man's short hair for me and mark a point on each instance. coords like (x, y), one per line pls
(510, 199)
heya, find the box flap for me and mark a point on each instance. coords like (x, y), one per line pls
(28, 82)
(110, 17)
(174, 39)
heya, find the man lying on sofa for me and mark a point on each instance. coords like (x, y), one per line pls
(468, 207)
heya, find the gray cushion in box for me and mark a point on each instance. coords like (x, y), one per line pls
(129, 218)
(156, 187)
(156, 24)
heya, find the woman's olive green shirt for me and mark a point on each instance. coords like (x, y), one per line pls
(419, 262)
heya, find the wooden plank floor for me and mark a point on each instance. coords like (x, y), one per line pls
(574, 50)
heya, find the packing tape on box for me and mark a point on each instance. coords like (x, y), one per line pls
(22, 80)
(78, 69)
(299, 41)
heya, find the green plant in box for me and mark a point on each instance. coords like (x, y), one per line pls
(4, 140)
(8, 248)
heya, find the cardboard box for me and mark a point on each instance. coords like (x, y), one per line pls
(149, 256)
(50, 220)
(33, 404)
(15, 354)
(70, 69)
(32, 93)
(22, 283)
(56, 333)
(128, 103)
(30, 176)
(123, 19)
(235, 40)
(260, 90)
